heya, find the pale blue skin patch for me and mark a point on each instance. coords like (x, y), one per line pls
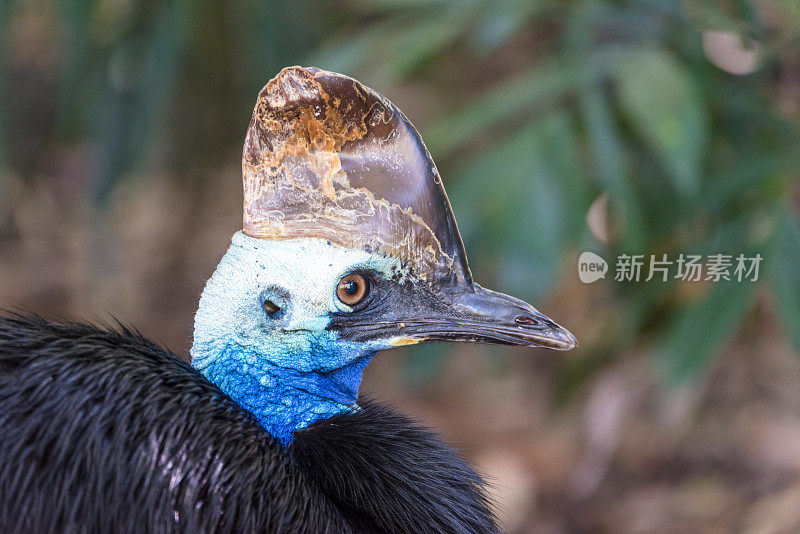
(285, 369)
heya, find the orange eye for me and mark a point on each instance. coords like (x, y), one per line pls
(352, 289)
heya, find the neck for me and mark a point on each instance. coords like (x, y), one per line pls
(283, 399)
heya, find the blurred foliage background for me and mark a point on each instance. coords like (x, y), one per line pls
(559, 126)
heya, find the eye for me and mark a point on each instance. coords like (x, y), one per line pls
(352, 289)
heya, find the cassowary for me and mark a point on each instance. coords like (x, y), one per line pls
(348, 247)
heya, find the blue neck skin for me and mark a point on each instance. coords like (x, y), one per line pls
(282, 398)
(286, 368)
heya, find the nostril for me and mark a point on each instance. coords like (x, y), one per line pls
(525, 320)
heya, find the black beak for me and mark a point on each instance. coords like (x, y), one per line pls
(486, 316)
(461, 312)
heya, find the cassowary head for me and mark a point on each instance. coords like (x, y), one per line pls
(349, 246)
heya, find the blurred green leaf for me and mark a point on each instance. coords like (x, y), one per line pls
(560, 150)
(76, 48)
(530, 88)
(424, 363)
(609, 156)
(501, 20)
(695, 335)
(389, 5)
(5, 15)
(348, 54)
(397, 47)
(786, 275)
(664, 104)
(738, 179)
(712, 15)
(420, 42)
(515, 188)
(139, 85)
(521, 95)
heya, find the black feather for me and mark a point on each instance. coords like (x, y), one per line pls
(377, 464)
(103, 431)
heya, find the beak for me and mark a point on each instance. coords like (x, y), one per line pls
(486, 316)
(458, 312)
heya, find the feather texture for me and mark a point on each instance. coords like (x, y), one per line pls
(102, 430)
(377, 464)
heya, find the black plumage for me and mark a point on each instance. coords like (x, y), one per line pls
(102, 430)
(378, 465)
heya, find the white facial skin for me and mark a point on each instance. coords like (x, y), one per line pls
(298, 275)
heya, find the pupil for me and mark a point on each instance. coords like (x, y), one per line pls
(351, 288)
